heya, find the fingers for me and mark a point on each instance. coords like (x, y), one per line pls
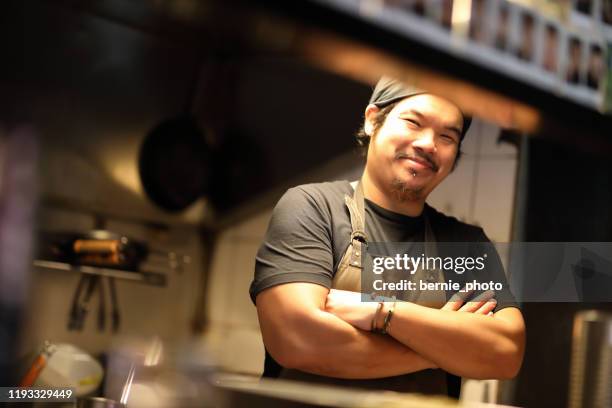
(487, 308)
(481, 304)
(457, 300)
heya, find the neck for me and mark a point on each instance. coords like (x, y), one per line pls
(387, 199)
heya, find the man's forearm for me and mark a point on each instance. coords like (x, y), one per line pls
(326, 345)
(464, 344)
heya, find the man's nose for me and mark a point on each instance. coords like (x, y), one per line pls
(425, 140)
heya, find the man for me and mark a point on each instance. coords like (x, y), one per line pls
(315, 333)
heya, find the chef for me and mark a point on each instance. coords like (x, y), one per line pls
(308, 274)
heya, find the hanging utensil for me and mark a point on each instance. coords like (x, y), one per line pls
(37, 366)
(115, 315)
(80, 306)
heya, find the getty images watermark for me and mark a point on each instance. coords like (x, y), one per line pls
(411, 265)
(527, 271)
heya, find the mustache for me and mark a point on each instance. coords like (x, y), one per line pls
(418, 156)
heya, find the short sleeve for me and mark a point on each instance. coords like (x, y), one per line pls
(297, 246)
(494, 271)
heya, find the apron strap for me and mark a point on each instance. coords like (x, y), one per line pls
(356, 209)
(359, 237)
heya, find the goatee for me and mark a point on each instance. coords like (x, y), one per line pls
(402, 192)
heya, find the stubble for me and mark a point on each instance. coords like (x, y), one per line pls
(403, 193)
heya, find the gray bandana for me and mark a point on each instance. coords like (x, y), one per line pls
(389, 90)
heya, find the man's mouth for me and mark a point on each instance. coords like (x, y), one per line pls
(417, 162)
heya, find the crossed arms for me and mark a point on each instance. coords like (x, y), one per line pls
(307, 327)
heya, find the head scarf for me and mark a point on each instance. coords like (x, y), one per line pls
(389, 90)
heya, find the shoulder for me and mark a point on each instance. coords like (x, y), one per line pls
(315, 201)
(450, 229)
(324, 190)
(317, 194)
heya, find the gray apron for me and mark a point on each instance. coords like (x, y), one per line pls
(348, 277)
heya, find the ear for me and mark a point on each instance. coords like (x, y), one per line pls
(370, 113)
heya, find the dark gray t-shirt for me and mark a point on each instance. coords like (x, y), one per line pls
(307, 236)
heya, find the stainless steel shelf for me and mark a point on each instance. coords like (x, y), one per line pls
(149, 278)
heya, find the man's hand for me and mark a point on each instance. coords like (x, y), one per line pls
(349, 307)
(482, 304)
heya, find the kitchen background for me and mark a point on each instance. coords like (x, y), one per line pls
(96, 79)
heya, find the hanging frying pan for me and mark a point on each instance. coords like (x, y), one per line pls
(175, 164)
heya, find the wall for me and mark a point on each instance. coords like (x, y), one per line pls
(481, 189)
(233, 335)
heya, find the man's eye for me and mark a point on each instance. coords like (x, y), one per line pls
(448, 138)
(412, 121)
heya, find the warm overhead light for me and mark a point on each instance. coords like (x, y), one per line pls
(462, 10)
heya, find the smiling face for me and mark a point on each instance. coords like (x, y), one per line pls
(415, 147)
